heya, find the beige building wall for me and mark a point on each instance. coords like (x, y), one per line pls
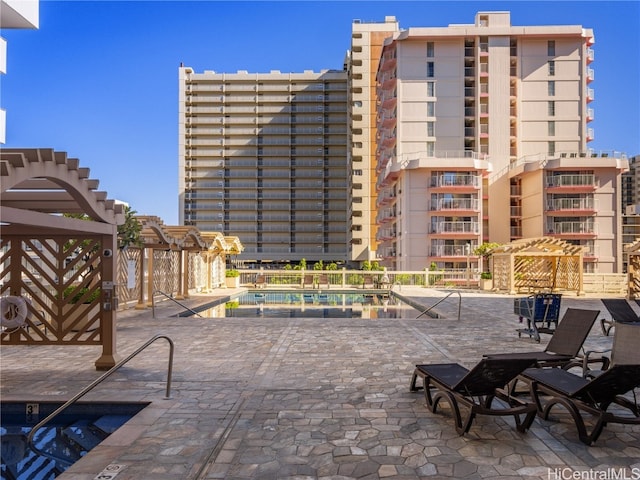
(492, 119)
(366, 45)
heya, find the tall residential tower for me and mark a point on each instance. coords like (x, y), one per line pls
(483, 135)
(264, 157)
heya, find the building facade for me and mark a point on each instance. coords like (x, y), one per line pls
(264, 157)
(482, 136)
(367, 39)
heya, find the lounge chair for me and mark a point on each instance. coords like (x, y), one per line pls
(565, 343)
(368, 281)
(625, 350)
(578, 394)
(620, 311)
(475, 389)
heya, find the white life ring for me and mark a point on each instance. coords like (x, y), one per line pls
(13, 311)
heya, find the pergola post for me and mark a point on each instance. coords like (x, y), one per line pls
(186, 254)
(109, 302)
(141, 305)
(150, 278)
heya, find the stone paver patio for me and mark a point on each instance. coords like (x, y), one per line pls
(296, 398)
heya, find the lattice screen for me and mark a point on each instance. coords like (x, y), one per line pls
(60, 277)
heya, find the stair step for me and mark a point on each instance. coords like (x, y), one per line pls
(110, 423)
(82, 435)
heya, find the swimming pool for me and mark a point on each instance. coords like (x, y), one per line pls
(323, 304)
(66, 439)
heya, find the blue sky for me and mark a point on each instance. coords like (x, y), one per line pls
(99, 80)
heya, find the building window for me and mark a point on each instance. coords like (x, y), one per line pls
(431, 129)
(551, 108)
(357, 172)
(431, 149)
(430, 70)
(551, 48)
(551, 128)
(551, 148)
(431, 109)
(431, 89)
(552, 67)
(551, 88)
(430, 49)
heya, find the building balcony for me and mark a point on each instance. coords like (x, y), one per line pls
(590, 75)
(569, 206)
(460, 205)
(590, 95)
(572, 229)
(456, 251)
(453, 228)
(571, 182)
(385, 235)
(384, 200)
(590, 55)
(455, 182)
(385, 216)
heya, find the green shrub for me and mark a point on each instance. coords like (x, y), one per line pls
(232, 273)
(76, 294)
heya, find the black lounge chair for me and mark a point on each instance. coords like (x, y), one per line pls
(565, 343)
(620, 311)
(578, 394)
(625, 350)
(475, 389)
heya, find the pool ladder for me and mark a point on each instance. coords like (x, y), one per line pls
(442, 300)
(94, 384)
(153, 304)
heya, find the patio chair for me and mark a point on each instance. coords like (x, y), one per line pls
(625, 350)
(476, 390)
(323, 280)
(307, 280)
(368, 281)
(260, 281)
(620, 311)
(593, 396)
(566, 340)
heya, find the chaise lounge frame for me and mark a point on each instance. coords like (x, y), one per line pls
(475, 390)
(578, 394)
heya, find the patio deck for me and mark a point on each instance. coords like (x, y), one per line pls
(256, 398)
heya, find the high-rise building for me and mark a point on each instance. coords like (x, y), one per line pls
(482, 136)
(263, 156)
(362, 63)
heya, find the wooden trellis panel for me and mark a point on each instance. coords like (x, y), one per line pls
(126, 294)
(60, 279)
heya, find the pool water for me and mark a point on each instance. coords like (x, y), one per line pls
(311, 305)
(64, 441)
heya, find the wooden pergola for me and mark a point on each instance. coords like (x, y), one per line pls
(64, 268)
(537, 265)
(172, 260)
(633, 269)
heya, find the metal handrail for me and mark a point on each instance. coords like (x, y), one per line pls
(92, 385)
(442, 300)
(153, 303)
